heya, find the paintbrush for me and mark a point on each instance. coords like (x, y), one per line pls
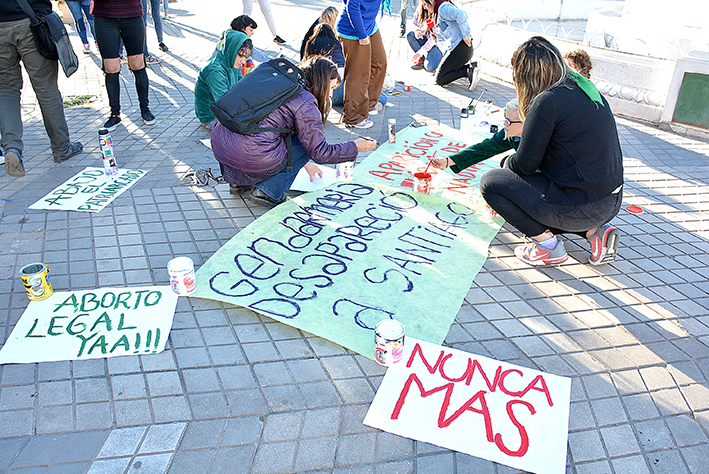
(366, 138)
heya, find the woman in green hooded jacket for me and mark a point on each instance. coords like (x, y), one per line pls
(220, 74)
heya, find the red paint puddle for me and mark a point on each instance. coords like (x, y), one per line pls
(635, 209)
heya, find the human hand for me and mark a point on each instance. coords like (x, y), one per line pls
(440, 163)
(313, 171)
(468, 41)
(418, 34)
(416, 57)
(364, 41)
(365, 144)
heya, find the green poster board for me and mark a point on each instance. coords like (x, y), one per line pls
(693, 101)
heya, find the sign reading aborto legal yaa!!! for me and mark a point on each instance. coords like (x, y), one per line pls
(505, 413)
(90, 190)
(92, 324)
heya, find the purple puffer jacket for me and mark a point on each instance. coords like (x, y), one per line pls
(256, 157)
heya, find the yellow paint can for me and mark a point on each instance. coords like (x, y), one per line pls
(34, 277)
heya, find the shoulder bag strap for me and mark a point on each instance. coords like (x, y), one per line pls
(28, 11)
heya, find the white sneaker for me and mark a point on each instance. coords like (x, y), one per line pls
(87, 48)
(374, 112)
(363, 124)
(377, 108)
(2, 159)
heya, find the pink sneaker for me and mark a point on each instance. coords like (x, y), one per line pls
(604, 245)
(535, 254)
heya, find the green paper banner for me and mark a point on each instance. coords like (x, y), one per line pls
(337, 261)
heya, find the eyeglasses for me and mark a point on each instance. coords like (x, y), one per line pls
(509, 122)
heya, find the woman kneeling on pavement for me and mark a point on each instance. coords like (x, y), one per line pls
(257, 163)
(567, 174)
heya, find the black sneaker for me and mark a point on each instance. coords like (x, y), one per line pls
(260, 198)
(13, 163)
(74, 149)
(112, 122)
(163, 48)
(279, 40)
(239, 190)
(402, 33)
(148, 117)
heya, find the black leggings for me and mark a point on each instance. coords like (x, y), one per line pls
(520, 201)
(454, 64)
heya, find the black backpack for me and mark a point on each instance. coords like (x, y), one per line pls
(256, 95)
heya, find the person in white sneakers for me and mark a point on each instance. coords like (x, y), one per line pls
(268, 14)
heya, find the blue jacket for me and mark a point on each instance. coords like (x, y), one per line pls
(358, 19)
(452, 24)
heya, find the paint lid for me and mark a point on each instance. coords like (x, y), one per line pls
(635, 209)
(180, 264)
(390, 329)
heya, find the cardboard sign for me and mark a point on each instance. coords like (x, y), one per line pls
(337, 261)
(501, 412)
(92, 324)
(89, 191)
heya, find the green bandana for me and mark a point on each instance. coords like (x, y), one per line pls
(588, 87)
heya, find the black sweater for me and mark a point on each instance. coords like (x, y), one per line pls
(573, 142)
(10, 10)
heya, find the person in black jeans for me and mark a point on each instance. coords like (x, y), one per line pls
(567, 174)
(116, 20)
(452, 28)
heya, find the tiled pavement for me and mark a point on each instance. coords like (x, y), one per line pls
(238, 392)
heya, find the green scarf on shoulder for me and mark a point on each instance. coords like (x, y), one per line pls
(588, 87)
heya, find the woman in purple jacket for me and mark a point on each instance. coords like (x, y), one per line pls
(257, 163)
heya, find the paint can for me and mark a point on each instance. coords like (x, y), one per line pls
(392, 130)
(422, 182)
(34, 277)
(344, 171)
(388, 342)
(407, 87)
(109, 159)
(182, 277)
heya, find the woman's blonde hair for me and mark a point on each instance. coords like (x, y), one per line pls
(319, 71)
(329, 16)
(537, 66)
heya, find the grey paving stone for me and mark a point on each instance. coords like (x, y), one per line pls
(208, 405)
(586, 446)
(354, 390)
(109, 466)
(316, 453)
(93, 416)
(435, 463)
(320, 394)
(54, 419)
(272, 373)
(9, 447)
(391, 447)
(355, 448)
(162, 438)
(282, 426)
(186, 462)
(171, 408)
(247, 402)
(619, 440)
(242, 431)
(132, 412)
(666, 462)
(39, 450)
(199, 380)
(696, 457)
(202, 434)
(274, 457)
(233, 459)
(282, 398)
(685, 430)
(321, 422)
(91, 389)
(81, 445)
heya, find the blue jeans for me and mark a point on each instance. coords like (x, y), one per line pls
(78, 9)
(277, 185)
(157, 22)
(338, 96)
(434, 55)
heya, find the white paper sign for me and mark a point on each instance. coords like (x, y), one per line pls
(505, 413)
(302, 180)
(90, 190)
(92, 324)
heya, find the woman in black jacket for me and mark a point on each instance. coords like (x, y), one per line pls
(567, 175)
